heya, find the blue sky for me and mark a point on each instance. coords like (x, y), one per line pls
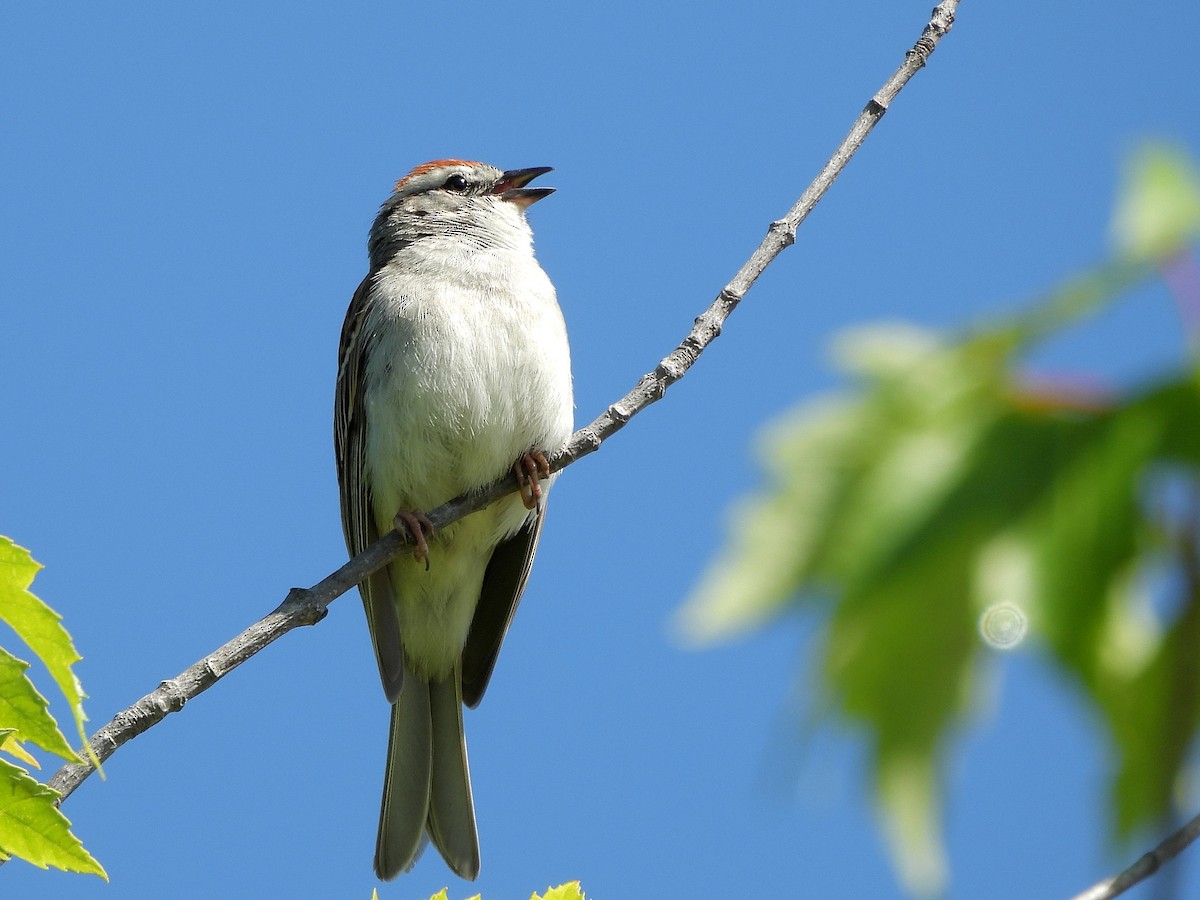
(185, 192)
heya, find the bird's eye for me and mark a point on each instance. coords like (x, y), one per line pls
(456, 183)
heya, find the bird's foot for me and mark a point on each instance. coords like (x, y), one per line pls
(419, 529)
(530, 468)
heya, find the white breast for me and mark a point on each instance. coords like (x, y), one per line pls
(468, 368)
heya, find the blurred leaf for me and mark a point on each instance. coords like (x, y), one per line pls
(908, 794)
(39, 626)
(568, 891)
(847, 473)
(33, 829)
(776, 537)
(946, 505)
(1158, 206)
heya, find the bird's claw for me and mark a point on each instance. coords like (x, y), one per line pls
(419, 529)
(530, 468)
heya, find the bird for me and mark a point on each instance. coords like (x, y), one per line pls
(453, 369)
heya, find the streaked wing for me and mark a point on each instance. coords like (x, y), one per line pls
(503, 584)
(358, 518)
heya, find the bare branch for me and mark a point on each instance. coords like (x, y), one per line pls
(307, 607)
(1146, 866)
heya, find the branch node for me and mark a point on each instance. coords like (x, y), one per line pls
(172, 695)
(693, 346)
(309, 610)
(620, 413)
(940, 23)
(709, 325)
(730, 296)
(943, 19)
(671, 368)
(784, 232)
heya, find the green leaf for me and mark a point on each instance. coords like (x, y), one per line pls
(11, 745)
(777, 538)
(25, 711)
(33, 828)
(947, 506)
(1158, 206)
(1089, 539)
(878, 496)
(1086, 529)
(38, 625)
(848, 474)
(569, 891)
(908, 791)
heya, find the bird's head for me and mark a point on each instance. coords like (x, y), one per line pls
(477, 205)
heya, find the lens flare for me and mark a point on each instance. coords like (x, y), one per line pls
(1003, 625)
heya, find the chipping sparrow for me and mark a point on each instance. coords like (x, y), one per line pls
(453, 368)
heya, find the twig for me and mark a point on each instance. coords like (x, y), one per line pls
(1146, 866)
(307, 607)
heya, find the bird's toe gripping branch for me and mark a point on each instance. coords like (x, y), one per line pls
(530, 468)
(418, 527)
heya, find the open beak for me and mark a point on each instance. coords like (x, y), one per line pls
(512, 186)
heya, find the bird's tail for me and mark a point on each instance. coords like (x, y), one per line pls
(427, 785)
